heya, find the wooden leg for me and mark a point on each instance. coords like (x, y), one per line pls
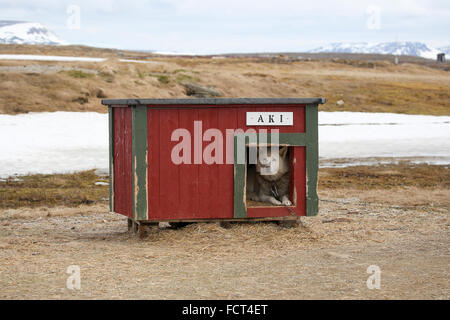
(134, 227)
(130, 224)
(288, 224)
(141, 231)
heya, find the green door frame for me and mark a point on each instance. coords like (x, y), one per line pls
(308, 139)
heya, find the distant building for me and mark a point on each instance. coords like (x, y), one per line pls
(441, 57)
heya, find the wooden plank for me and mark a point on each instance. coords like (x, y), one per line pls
(122, 161)
(300, 180)
(169, 172)
(188, 173)
(287, 139)
(111, 157)
(214, 102)
(227, 119)
(139, 162)
(208, 190)
(268, 211)
(154, 145)
(240, 210)
(312, 160)
(212, 220)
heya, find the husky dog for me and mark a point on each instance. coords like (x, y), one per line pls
(268, 180)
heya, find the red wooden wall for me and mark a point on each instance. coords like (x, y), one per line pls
(190, 191)
(122, 161)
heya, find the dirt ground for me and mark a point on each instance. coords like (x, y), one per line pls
(326, 257)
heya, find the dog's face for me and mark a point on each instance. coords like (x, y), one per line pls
(271, 163)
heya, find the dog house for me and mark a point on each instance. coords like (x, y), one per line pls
(153, 178)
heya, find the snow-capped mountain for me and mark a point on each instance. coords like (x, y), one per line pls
(445, 50)
(18, 32)
(396, 48)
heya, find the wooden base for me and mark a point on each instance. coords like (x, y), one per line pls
(139, 228)
(154, 222)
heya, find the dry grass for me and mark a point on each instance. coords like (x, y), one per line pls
(405, 183)
(386, 177)
(50, 190)
(326, 258)
(377, 86)
(410, 197)
(73, 50)
(402, 184)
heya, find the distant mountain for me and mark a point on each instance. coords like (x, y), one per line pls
(19, 32)
(445, 50)
(418, 49)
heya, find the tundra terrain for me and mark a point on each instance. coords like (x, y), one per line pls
(370, 83)
(394, 217)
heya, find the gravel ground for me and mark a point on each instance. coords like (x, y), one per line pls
(326, 257)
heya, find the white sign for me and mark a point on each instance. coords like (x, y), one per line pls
(270, 118)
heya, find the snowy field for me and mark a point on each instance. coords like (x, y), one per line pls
(32, 57)
(53, 142)
(359, 137)
(72, 141)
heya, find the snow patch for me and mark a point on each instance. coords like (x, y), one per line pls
(58, 142)
(137, 61)
(53, 142)
(48, 58)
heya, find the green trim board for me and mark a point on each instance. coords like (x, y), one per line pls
(139, 163)
(312, 159)
(240, 210)
(111, 158)
(309, 139)
(289, 139)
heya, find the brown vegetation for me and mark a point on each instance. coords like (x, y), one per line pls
(50, 190)
(378, 86)
(409, 184)
(326, 257)
(386, 177)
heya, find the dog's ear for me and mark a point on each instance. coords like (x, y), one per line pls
(283, 151)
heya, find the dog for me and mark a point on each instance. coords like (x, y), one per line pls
(268, 180)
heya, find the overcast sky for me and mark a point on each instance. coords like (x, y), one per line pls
(219, 26)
